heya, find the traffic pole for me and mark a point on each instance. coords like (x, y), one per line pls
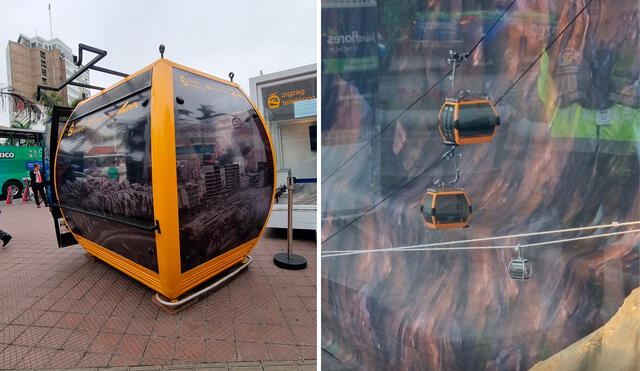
(289, 260)
(26, 192)
(9, 194)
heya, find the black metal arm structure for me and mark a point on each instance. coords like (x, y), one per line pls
(60, 115)
(91, 65)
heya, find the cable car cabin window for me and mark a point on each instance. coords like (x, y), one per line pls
(447, 121)
(104, 167)
(224, 167)
(426, 207)
(451, 209)
(476, 120)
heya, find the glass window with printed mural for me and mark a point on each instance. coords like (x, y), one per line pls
(104, 168)
(290, 109)
(544, 272)
(224, 168)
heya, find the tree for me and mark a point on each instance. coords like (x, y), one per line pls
(28, 108)
(76, 101)
(50, 100)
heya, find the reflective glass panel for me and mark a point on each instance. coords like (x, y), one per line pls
(224, 167)
(451, 208)
(104, 168)
(565, 156)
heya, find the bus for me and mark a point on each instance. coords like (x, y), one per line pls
(20, 149)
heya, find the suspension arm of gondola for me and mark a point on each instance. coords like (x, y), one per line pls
(86, 85)
(455, 164)
(452, 156)
(78, 61)
(82, 47)
(106, 70)
(455, 180)
(455, 60)
(148, 228)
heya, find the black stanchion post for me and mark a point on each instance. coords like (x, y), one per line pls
(289, 260)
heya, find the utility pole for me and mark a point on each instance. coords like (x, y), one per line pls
(50, 24)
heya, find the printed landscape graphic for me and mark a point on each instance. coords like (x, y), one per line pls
(566, 155)
(224, 165)
(104, 168)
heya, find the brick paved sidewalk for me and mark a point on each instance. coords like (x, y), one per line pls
(61, 309)
(230, 366)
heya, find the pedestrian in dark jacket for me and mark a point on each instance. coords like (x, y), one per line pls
(37, 183)
(4, 236)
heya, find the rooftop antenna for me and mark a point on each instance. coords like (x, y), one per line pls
(161, 50)
(50, 23)
(231, 75)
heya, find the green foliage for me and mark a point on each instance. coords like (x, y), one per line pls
(396, 18)
(22, 124)
(483, 348)
(74, 103)
(50, 100)
(28, 108)
(545, 352)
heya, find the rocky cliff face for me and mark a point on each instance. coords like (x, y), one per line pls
(552, 165)
(614, 346)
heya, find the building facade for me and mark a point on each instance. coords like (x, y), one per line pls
(33, 61)
(287, 100)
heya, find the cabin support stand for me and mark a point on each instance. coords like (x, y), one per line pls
(289, 260)
(177, 305)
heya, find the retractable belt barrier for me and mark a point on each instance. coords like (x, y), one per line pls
(289, 260)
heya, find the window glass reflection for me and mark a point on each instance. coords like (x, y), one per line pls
(565, 156)
(224, 168)
(104, 167)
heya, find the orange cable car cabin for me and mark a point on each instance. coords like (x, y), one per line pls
(444, 208)
(466, 121)
(168, 176)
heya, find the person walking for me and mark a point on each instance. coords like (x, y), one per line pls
(37, 183)
(4, 236)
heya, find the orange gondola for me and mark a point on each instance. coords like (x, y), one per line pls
(444, 208)
(467, 120)
(168, 176)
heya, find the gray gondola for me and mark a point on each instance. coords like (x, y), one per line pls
(520, 268)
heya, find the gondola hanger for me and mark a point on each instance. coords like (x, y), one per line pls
(451, 155)
(455, 60)
(445, 206)
(466, 118)
(520, 268)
